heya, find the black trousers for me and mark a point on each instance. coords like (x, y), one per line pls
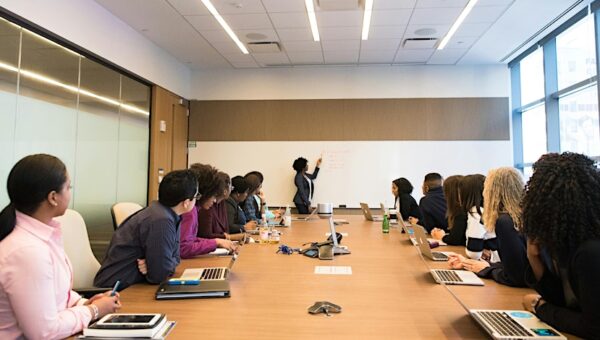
(302, 208)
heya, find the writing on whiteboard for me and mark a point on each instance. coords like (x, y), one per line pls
(335, 159)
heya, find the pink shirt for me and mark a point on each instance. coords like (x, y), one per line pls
(36, 300)
(190, 245)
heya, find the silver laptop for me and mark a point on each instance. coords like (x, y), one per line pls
(306, 218)
(423, 244)
(211, 273)
(367, 213)
(455, 277)
(513, 324)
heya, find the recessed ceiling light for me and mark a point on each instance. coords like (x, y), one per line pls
(367, 19)
(457, 23)
(425, 31)
(225, 26)
(312, 18)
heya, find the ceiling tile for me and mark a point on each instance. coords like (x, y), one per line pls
(484, 14)
(306, 57)
(302, 46)
(379, 44)
(203, 22)
(340, 33)
(377, 56)
(273, 6)
(251, 64)
(248, 21)
(341, 57)
(461, 42)
(472, 30)
(295, 34)
(435, 16)
(413, 56)
(495, 2)
(447, 56)
(238, 57)
(391, 4)
(386, 32)
(441, 3)
(289, 20)
(269, 35)
(339, 18)
(215, 36)
(440, 31)
(186, 7)
(391, 17)
(237, 6)
(226, 47)
(271, 58)
(340, 45)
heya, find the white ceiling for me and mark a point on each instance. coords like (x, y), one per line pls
(186, 30)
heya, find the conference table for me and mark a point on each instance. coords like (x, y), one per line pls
(390, 293)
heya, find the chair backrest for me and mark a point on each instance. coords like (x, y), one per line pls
(78, 249)
(120, 211)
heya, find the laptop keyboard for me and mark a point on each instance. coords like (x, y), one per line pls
(213, 274)
(503, 324)
(440, 256)
(448, 276)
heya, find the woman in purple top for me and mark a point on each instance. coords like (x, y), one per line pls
(190, 244)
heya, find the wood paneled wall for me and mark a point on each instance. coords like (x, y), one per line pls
(168, 149)
(350, 119)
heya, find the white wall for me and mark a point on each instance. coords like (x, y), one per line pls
(422, 81)
(91, 26)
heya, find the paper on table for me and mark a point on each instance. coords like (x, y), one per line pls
(333, 270)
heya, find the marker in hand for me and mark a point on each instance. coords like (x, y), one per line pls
(114, 290)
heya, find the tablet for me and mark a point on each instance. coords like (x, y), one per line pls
(124, 320)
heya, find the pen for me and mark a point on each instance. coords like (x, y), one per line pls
(114, 290)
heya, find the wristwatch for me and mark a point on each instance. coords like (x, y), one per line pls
(535, 302)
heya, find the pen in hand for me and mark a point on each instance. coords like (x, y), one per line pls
(114, 290)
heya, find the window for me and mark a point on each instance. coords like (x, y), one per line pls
(579, 129)
(576, 53)
(532, 77)
(534, 134)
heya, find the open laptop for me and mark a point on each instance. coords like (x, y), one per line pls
(423, 244)
(367, 213)
(306, 218)
(510, 324)
(213, 283)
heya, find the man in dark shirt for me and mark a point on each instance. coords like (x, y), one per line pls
(433, 204)
(152, 234)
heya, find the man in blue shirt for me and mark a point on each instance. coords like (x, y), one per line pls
(433, 204)
(152, 234)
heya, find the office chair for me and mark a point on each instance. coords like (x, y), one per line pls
(120, 211)
(77, 247)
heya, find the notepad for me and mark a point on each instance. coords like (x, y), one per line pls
(333, 270)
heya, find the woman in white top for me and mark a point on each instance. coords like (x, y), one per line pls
(36, 299)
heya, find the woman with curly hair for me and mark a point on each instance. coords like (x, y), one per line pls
(502, 194)
(304, 184)
(561, 219)
(457, 219)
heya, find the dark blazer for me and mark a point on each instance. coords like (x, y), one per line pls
(301, 196)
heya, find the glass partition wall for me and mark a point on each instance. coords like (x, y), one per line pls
(95, 119)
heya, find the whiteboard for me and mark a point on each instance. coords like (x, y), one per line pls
(352, 171)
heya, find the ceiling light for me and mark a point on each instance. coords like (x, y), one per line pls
(225, 26)
(457, 23)
(312, 18)
(71, 88)
(367, 19)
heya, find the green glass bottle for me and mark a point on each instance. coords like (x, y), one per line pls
(385, 225)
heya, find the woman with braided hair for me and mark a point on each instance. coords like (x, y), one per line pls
(561, 219)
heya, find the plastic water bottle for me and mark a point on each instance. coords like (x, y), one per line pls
(385, 224)
(287, 216)
(264, 230)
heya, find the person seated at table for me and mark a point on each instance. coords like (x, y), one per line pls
(250, 206)
(151, 235)
(36, 279)
(456, 218)
(502, 193)
(561, 220)
(433, 203)
(212, 222)
(190, 244)
(235, 214)
(403, 200)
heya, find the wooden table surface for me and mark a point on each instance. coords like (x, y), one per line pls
(390, 293)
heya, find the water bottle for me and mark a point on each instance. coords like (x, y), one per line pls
(287, 217)
(264, 230)
(385, 224)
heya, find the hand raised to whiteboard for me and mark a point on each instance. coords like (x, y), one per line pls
(319, 161)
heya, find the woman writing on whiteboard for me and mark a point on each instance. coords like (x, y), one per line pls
(304, 184)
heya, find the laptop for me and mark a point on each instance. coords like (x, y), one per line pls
(510, 324)
(367, 213)
(455, 277)
(213, 283)
(423, 243)
(305, 218)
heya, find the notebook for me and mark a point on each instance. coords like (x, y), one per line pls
(423, 244)
(305, 218)
(213, 283)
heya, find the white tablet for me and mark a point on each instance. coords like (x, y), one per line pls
(125, 320)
